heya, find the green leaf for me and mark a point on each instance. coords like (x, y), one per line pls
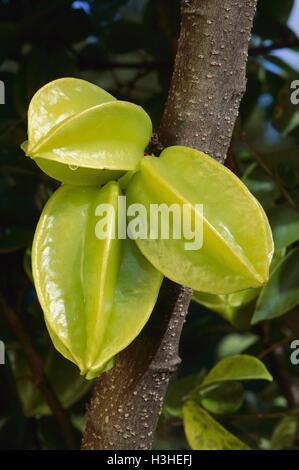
(36, 69)
(14, 240)
(27, 264)
(261, 185)
(281, 293)
(178, 390)
(287, 71)
(253, 91)
(285, 115)
(222, 398)
(204, 433)
(284, 433)
(63, 376)
(235, 343)
(237, 308)
(271, 18)
(242, 367)
(284, 222)
(277, 9)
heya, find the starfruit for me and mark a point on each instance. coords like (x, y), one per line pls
(237, 242)
(238, 307)
(80, 134)
(96, 293)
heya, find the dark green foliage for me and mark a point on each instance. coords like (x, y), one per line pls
(123, 46)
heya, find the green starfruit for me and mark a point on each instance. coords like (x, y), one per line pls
(237, 243)
(237, 307)
(80, 134)
(96, 292)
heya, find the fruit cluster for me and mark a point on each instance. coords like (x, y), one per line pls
(97, 293)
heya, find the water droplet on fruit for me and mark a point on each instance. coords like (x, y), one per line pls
(73, 167)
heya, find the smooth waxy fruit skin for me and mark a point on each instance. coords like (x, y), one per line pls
(96, 294)
(236, 307)
(237, 242)
(80, 134)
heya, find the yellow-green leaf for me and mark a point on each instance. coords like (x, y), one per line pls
(204, 433)
(223, 397)
(63, 376)
(241, 367)
(281, 293)
(233, 307)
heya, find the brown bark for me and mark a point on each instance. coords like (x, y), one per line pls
(127, 400)
(209, 75)
(207, 85)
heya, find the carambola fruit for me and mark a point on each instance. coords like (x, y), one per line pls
(80, 134)
(96, 294)
(237, 242)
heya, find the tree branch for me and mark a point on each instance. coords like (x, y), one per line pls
(275, 345)
(209, 75)
(207, 85)
(127, 400)
(38, 375)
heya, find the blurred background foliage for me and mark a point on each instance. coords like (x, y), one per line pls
(128, 48)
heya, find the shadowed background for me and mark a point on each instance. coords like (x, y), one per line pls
(128, 48)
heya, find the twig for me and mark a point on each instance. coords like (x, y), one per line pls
(264, 415)
(131, 84)
(155, 146)
(128, 399)
(275, 345)
(38, 374)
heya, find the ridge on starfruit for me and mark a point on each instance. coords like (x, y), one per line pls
(237, 307)
(80, 134)
(96, 293)
(237, 241)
